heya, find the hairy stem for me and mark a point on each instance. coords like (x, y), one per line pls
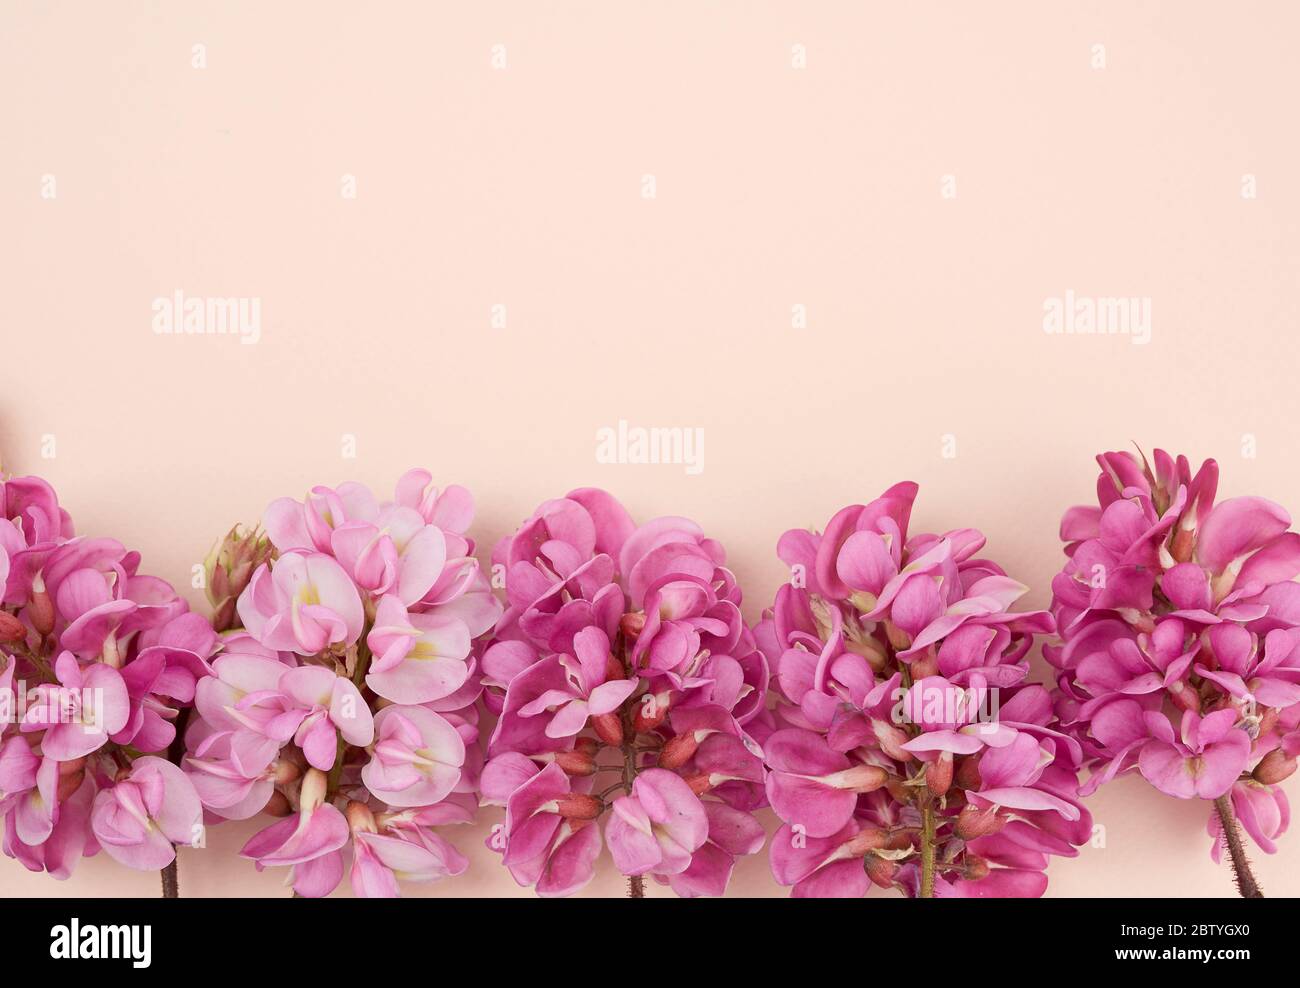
(1241, 873)
(927, 847)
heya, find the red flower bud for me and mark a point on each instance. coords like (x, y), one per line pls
(677, 751)
(699, 783)
(576, 762)
(1274, 767)
(976, 868)
(973, 822)
(360, 818)
(865, 841)
(41, 612)
(609, 728)
(651, 709)
(11, 629)
(938, 774)
(579, 806)
(967, 775)
(881, 871)
(284, 771)
(631, 624)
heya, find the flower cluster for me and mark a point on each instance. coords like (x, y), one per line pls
(96, 661)
(910, 751)
(1180, 621)
(622, 665)
(346, 704)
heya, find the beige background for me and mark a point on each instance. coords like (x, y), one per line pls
(776, 186)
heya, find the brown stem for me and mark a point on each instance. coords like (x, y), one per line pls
(635, 883)
(170, 885)
(171, 888)
(1241, 873)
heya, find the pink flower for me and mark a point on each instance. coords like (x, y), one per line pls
(1175, 610)
(417, 757)
(626, 642)
(406, 848)
(550, 841)
(658, 827)
(305, 604)
(308, 841)
(906, 721)
(1205, 762)
(139, 819)
(353, 685)
(107, 658)
(79, 713)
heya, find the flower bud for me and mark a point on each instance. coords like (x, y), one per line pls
(229, 568)
(677, 750)
(41, 612)
(973, 822)
(631, 624)
(576, 763)
(699, 783)
(608, 728)
(859, 778)
(1184, 542)
(938, 774)
(976, 868)
(11, 629)
(891, 738)
(967, 775)
(651, 709)
(881, 871)
(284, 771)
(1274, 767)
(360, 818)
(865, 841)
(579, 806)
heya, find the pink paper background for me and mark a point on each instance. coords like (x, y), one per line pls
(776, 186)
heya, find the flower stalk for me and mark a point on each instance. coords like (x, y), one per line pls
(1241, 873)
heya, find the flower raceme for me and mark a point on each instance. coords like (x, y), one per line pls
(96, 662)
(624, 679)
(1180, 628)
(907, 750)
(344, 701)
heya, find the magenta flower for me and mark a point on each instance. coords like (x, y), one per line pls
(908, 751)
(625, 643)
(1180, 654)
(97, 661)
(346, 704)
